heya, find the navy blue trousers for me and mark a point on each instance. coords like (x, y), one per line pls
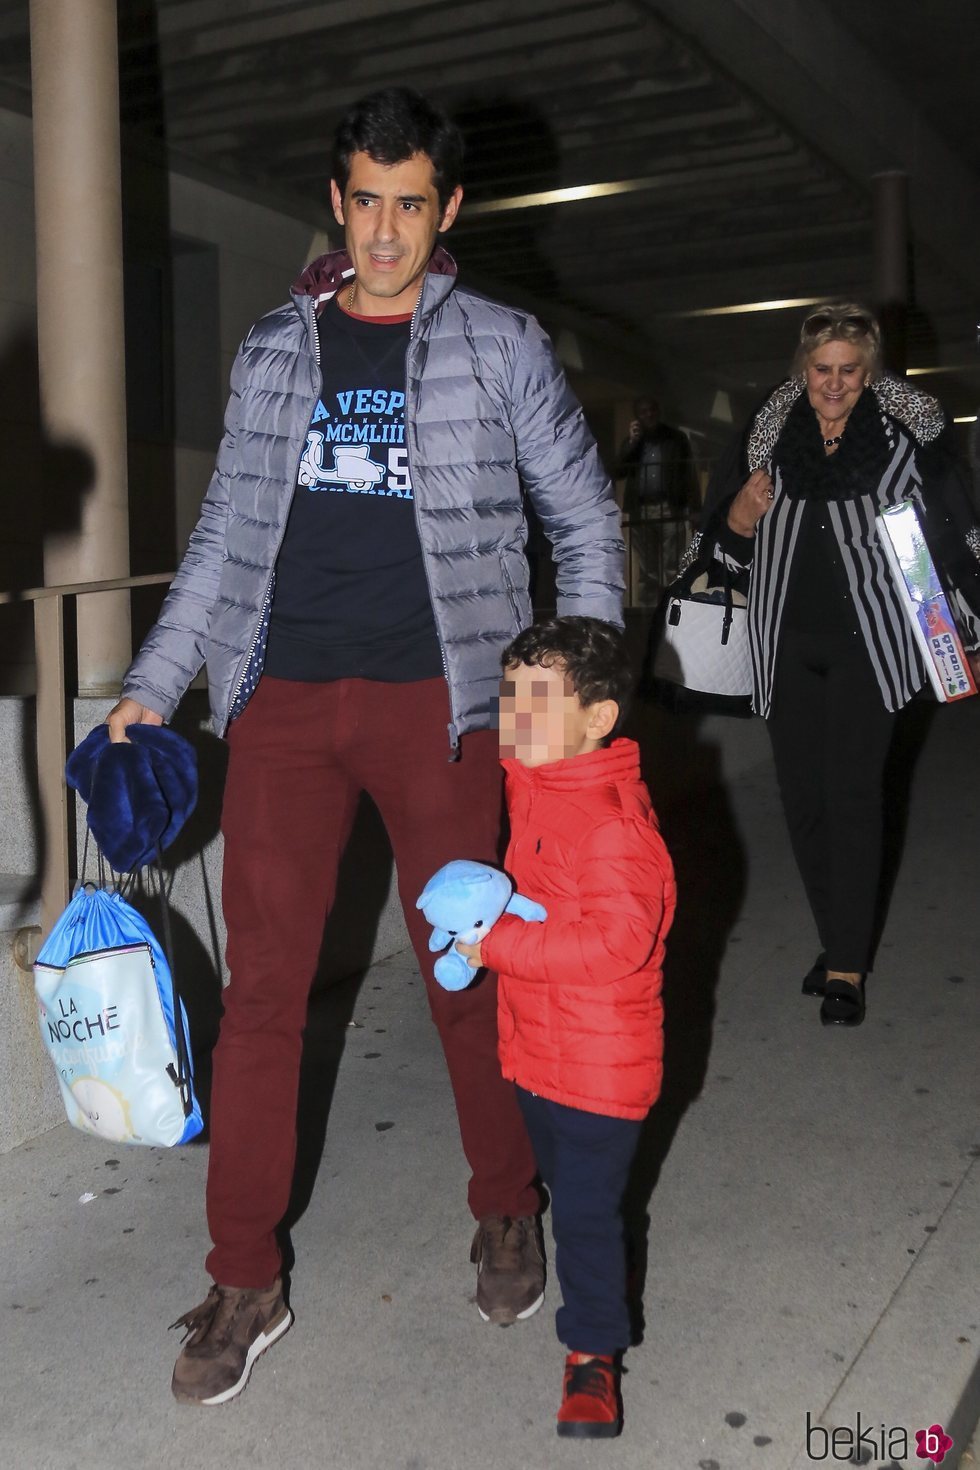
(585, 1159)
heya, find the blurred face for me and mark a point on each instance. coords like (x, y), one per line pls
(542, 719)
(836, 376)
(391, 216)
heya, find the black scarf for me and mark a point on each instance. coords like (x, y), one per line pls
(855, 468)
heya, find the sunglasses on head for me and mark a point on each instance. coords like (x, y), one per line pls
(821, 320)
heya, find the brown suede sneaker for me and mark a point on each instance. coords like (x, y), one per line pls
(510, 1268)
(225, 1334)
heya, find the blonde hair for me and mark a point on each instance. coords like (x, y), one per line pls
(841, 321)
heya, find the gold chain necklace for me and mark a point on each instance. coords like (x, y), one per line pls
(353, 288)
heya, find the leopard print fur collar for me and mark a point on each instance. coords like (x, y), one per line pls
(918, 412)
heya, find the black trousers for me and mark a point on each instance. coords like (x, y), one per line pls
(830, 736)
(585, 1161)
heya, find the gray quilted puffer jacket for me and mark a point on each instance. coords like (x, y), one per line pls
(488, 412)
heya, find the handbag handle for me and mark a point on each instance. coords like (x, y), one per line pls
(726, 622)
(690, 567)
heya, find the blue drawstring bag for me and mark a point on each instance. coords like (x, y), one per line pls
(113, 1024)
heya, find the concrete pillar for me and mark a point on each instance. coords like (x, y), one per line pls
(890, 263)
(75, 82)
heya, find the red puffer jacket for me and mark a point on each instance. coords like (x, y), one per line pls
(580, 1015)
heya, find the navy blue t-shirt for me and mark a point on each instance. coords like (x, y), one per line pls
(351, 598)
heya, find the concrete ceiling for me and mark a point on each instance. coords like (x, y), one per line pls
(744, 133)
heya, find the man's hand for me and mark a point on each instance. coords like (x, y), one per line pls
(635, 430)
(471, 953)
(128, 712)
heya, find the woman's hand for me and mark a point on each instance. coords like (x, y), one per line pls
(751, 504)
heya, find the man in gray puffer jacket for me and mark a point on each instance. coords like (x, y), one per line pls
(357, 567)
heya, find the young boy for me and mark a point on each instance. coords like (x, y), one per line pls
(579, 1011)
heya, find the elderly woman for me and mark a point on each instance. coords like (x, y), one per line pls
(833, 655)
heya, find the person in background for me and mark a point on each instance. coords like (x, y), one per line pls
(660, 495)
(834, 659)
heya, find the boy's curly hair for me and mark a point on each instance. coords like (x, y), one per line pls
(591, 652)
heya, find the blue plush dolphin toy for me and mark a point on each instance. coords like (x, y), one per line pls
(463, 901)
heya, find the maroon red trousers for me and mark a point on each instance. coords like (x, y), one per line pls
(300, 755)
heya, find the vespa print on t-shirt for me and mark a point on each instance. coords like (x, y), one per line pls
(352, 599)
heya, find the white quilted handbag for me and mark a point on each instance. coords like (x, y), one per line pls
(702, 653)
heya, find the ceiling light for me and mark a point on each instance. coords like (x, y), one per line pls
(788, 303)
(721, 408)
(569, 351)
(954, 367)
(562, 196)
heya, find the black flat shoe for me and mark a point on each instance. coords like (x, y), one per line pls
(815, 979)
(843, 1003)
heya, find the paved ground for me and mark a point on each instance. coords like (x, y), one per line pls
(813, 1222)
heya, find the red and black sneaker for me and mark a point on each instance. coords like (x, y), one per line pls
(590, 1406)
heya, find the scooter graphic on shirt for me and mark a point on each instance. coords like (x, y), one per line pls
(352, 465)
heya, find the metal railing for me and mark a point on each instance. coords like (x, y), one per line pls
(650, 564)
(656, 539)
(51, 735)
(658, 531)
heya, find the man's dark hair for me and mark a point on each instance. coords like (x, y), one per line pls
(591, 652)
(391, 126)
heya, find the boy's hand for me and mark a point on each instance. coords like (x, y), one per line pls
(471, 953)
